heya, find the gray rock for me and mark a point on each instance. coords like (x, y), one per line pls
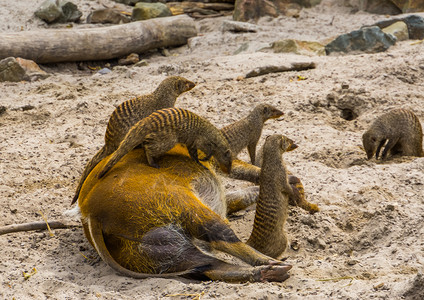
(108, 15)
(415, 27)
(11, 70)
(104, 71)
(70, 12)
(367, 39)
(234, 26)
(60, 11)
(49, 11)
(145, 11)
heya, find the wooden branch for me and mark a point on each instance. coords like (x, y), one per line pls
(34, 226)
(100, 43)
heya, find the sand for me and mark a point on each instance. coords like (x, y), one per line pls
(366, 242)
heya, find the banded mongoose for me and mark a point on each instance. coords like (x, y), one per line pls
(130, 112)
(247, 131)
(402, 131)
(268, 235)
(148, 222)
(163, 129)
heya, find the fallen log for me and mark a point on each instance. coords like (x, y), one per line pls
(100, 43)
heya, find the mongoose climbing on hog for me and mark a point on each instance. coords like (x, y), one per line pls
(399, 131)
(247, 131)
(130, 112)
(268, 235)
(163, 129)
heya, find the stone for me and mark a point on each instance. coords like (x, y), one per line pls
(234, 26)
(409, 6)
(131, 59)
(367, 39)
(384, 7)
(298, 47)
(70, 12)
(11, 70)
(399, 30)
(52, 11)
(108, 16)
(144, 11)
(415, 27)
(32, 70)
(104, 71)
(48, 11)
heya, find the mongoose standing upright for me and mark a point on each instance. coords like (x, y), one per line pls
(247, 131)
(402, 131)
(268, 234)
(130, 112)
(163, 129)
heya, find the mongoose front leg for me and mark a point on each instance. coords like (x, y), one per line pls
(390, 144)
(251, 148)
(192, 151)
(377, 152)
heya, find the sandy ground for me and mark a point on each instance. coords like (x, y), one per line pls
(367, 241)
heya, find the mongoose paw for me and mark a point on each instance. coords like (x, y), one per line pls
(154, 165)
(274, 273)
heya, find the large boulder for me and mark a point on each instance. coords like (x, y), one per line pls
(367, 39)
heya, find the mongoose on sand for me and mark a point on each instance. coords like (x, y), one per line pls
(130, 112)
(163, 129)
(268, 235)
(402, 131)
(148, 222)
(247, 131)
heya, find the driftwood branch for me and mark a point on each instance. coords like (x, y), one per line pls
(100, 43)
(34, 226)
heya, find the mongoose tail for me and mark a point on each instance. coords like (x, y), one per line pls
(102, 153)
(268, 235)
(247, 131)
(163, 129)
(399, 131)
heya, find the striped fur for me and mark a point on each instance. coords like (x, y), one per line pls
(163, 129)
(268, 235)
(247, 131)
(130, 112)
(399, 131)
